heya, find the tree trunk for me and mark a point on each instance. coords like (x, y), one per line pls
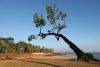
(77, 51)
(6, 51)
(80, 54)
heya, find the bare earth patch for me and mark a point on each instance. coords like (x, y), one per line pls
(47, 61)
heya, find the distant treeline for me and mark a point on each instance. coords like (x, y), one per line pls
(7, 45)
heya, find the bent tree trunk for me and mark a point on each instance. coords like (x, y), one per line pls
(80, 54)
(77, 51)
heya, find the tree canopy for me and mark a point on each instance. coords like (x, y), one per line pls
(20, 47)
(56, 18)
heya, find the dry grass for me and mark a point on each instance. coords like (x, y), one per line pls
(55, 61)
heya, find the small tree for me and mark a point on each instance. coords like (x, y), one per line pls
(56, 19)
(5, 47)
(21, 47)
(30, 48)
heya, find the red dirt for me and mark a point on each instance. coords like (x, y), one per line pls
(24, 56)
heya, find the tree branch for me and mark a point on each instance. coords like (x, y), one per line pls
(72, 45)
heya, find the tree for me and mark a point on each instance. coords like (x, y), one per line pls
(21, 47)
(54, 14)
(1, 47)
(30, 48)
(5, 47)
(9, 39)
(12, 47)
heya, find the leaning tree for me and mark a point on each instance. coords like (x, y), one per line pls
(56, 21)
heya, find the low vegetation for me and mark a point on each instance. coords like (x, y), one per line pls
(7, 46)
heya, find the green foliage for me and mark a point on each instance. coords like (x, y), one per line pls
(38, 20)
(31, 37)
(56, 18)
(54, 14)
(42, 36)
(5, 47)
(61, 26)
(51, 14)
(11, 47)
(9, 39)
(21, 44)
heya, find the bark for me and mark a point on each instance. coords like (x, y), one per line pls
(77, 51)
(6, 51)
(80, 54)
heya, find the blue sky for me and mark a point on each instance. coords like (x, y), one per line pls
(83, 22)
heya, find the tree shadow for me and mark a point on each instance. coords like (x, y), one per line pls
(94, 62)
(39, 62)
(91, 62)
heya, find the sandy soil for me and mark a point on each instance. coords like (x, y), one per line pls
(47, 61)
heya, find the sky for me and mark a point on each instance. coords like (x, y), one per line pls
(83, 22)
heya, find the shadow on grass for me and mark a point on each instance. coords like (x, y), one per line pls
(91, 62)
(40, 63)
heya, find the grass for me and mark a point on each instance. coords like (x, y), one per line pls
(13, 54)
(33, 62)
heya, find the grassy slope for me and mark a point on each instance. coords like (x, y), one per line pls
(41, 62)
